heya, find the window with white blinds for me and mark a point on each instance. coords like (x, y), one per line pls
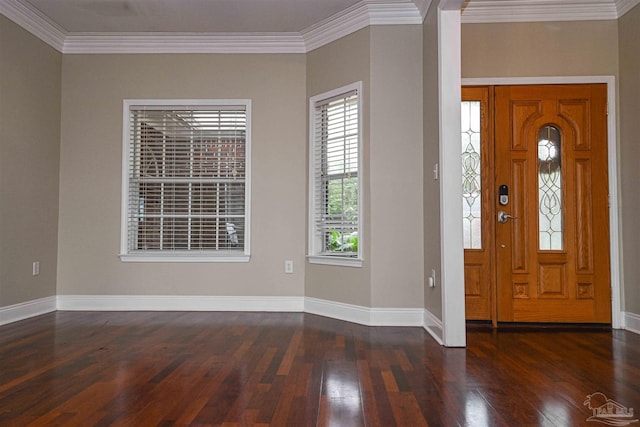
(335, 177)
(186, 186)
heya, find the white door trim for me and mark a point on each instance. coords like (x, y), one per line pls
(614, 218)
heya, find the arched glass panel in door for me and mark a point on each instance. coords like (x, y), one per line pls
(550, 188)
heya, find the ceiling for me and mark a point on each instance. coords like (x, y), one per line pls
(218, 16)
(289, 26)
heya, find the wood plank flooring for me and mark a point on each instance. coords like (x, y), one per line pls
(294, 369)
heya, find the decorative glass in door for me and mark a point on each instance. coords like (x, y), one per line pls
(471, 178)
(549, 188)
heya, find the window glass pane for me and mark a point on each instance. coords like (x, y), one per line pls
(336, 164)
(471, 178)
(550, 188)
(186, 179)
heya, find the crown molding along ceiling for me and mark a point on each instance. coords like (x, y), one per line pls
(349, 20)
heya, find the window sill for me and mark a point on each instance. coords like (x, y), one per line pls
(333, 260)
(176, 257)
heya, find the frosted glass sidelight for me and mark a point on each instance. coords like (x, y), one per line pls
(471, 178)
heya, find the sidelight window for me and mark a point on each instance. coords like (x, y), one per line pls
(471, 178)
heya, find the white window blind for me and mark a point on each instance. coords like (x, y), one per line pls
(186, 175)
(336, 175)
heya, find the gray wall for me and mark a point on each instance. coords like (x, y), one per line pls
(67, 201)
(387, 60)
(629, 44)
(540, 49)
(29, 164)
(329, 67)
(431, 152)
(397, 272)
(93, 88)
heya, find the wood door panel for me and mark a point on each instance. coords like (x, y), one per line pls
(519, 200)
(576, 112)
(473, 281)
(567, 282)
(554, 310)
(584, 290)
(523, 114)
(552, 281)
(584, 221)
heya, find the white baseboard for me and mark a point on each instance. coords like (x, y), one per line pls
(337, 310)
(24, 310)
(396, 316)
(631, 322)
(364, 315)
(178, 303)
(433, 325)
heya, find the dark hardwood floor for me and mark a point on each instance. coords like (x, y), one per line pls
(293, 369)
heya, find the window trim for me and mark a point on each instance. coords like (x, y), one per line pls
(182, 256)
(314, 244)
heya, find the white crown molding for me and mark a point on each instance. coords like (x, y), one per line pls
(387, 13)
(25, 310)
(337, 26)
(624, 6)
(539, 11)
(184, 43)
(350, 20)
(35, 22)
(359, 16)
(423, 7)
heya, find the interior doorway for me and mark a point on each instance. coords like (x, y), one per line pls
(535, 198)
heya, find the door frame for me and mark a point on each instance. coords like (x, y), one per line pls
(612, 152)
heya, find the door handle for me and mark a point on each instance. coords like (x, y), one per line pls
(503, 217)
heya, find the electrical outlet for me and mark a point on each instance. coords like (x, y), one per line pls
(36, 268)
(288, 266)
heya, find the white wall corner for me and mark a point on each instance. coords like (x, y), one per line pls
(432, 325)
(25, 310)
(631, 322)
(179, 303)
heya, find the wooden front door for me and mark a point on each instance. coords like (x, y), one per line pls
(551, 231)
